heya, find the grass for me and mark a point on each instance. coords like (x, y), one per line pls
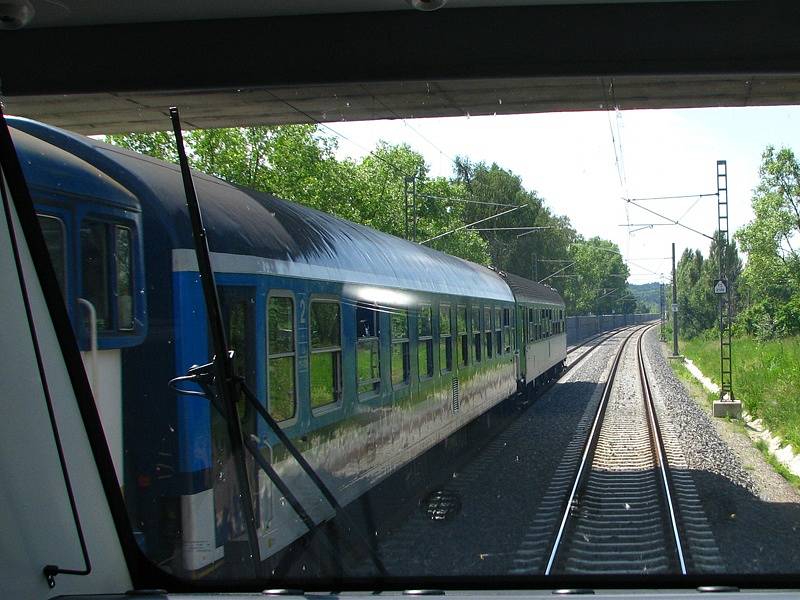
(766, 378)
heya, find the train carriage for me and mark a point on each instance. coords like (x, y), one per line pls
(367, 349)
(542, 339)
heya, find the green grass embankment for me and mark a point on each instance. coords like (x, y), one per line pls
(766, 378)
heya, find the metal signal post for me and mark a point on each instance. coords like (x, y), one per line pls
(727, 405)
(674, 306)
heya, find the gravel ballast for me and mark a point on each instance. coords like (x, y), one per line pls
(753, 512)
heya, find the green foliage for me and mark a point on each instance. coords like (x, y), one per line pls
(771, 280)
(648, 296)
(513, 250)
(602, 281)
(698, 306)
(298, 163)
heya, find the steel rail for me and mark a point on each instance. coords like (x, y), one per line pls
(605, 335)
(588, 452)
(660, 452)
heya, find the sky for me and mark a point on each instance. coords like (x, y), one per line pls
(583, 165)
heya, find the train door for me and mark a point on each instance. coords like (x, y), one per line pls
(238, 305)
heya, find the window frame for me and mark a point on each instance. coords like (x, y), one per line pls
(498, 330)
(110, 225)
(428, 340)
(116, 227)
(65, 247)
(488, 333)
(338, 403)
(477, 336)
(282, 293)
(405, 349)
(377, 382)
(446, 338)
(463, 359)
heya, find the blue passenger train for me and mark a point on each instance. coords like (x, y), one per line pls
(367, 349)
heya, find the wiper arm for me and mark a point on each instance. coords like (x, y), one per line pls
(222, 367)
(203, 376)
(312, 474)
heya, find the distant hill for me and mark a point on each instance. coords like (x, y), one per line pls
(648, 293)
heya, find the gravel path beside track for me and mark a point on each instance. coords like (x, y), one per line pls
(754, 514)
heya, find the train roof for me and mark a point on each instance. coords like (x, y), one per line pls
(526, 290)
(60, 172)
(250, 231)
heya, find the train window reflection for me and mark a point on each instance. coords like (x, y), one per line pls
(94, 271)
(476, 332)
(445, 339)
(367, 350)
(124, 258)
(55, 239)
(400, 356)
(498, 331)
(487, 328)
(326, 353)
(425, 342)
(507, 329)
(281, 357)
(463, 336)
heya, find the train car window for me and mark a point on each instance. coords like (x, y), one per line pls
(498, 331)
(55, 239)
(463, 336)
(445, 339)
(281, 357)
(401, 364)
(476, 332)
(425, 342)
(238, 314)
(237, 310)
(487, 329)
(123, 254)
(368, 349)
(533, 333)
(326, 352)
(507, 330)
(94, 271)
(513, 323)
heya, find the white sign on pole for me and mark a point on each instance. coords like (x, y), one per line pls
(720, 287)
(675, 308)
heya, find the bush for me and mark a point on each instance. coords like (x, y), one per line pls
(767, 319)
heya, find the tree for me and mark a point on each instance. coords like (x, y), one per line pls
(601, 275)
(697, 303)
(771, 279)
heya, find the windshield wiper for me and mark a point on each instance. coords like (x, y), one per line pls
(221, 386)
(226, 387)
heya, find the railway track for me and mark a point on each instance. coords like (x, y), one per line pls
(620, 515)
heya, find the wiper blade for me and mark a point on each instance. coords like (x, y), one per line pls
(222, 366)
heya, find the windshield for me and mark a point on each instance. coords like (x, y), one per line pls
(514, 346)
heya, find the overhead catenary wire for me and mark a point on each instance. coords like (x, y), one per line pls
(397, 169)
(685, 196)
(672, 221)
(341, 135)
(405, 123)
(530, 229)
(441, 235)
(465, 200)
